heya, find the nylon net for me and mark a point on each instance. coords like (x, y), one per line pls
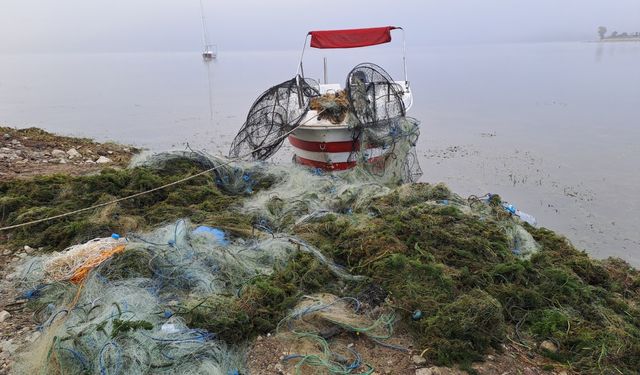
(371, 105)
(122, 305)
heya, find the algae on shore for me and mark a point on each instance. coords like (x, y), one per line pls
(426, 249)
(201, 200)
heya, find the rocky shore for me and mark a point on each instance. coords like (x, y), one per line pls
(31, 152)
(26, 153)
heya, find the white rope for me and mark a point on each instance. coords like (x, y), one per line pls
(156, 188)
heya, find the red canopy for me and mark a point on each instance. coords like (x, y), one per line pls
(351, 38)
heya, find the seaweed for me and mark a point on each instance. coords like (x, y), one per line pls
(421, 247)
(261, 303)
(43, 196)
(452, 261)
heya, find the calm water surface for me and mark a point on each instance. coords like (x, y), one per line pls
(553, 128)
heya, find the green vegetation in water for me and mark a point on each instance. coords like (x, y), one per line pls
(200, 200)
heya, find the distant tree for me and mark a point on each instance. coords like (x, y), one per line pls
(614, 34)
(602, 31)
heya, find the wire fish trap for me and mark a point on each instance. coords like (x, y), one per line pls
(363, 125)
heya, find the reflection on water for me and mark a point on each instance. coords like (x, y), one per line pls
(550, 127)
(208, 64)
(611, 48)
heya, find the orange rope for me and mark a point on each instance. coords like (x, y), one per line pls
(91, 263)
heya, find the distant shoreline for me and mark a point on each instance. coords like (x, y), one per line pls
(607, 40)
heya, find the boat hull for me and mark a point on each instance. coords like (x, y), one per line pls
(331, 147)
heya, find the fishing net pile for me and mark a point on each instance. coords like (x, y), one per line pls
(319, 261)
(125, 313)
(371, 106)
(318, 318)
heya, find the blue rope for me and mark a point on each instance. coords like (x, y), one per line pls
(103, 368)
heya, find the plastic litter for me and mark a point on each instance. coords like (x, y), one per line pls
(417, 315)
(217, 233)
(169, 328)
(527, 218)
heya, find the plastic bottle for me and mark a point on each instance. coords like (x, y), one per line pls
(526, 218)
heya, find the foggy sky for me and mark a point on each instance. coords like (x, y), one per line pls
(32, 26)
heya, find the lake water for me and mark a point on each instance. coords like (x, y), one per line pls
(553, 128)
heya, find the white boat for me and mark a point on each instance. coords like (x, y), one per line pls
(210, 52)
(319, 143)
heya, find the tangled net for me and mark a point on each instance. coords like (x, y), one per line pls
(374, 97)
(371, 106)
(386, 137)
(276, 111)
(333, 106)
(123, 315)
(318, 318)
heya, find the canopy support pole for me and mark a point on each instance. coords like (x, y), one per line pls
(404, 55)
(300, 70)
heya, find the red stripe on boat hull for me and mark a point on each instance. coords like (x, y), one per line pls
(334, 166)
(346, 146)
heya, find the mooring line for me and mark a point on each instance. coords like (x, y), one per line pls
(159, 187)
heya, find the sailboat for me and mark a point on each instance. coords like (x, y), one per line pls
(210, 51)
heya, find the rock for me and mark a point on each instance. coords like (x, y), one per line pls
(8, 346)
(4, 314)
(110, 152)
(73, 153)
(28, 249)
(58, 153)
(439, 371)
(280, 368)
(62, 161)
(126, 149)
(6, 136)
(16, 142)
(34, 336)
(549, 346)
(103, 160)
(418, 360)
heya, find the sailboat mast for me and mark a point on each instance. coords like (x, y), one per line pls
(205, 37)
